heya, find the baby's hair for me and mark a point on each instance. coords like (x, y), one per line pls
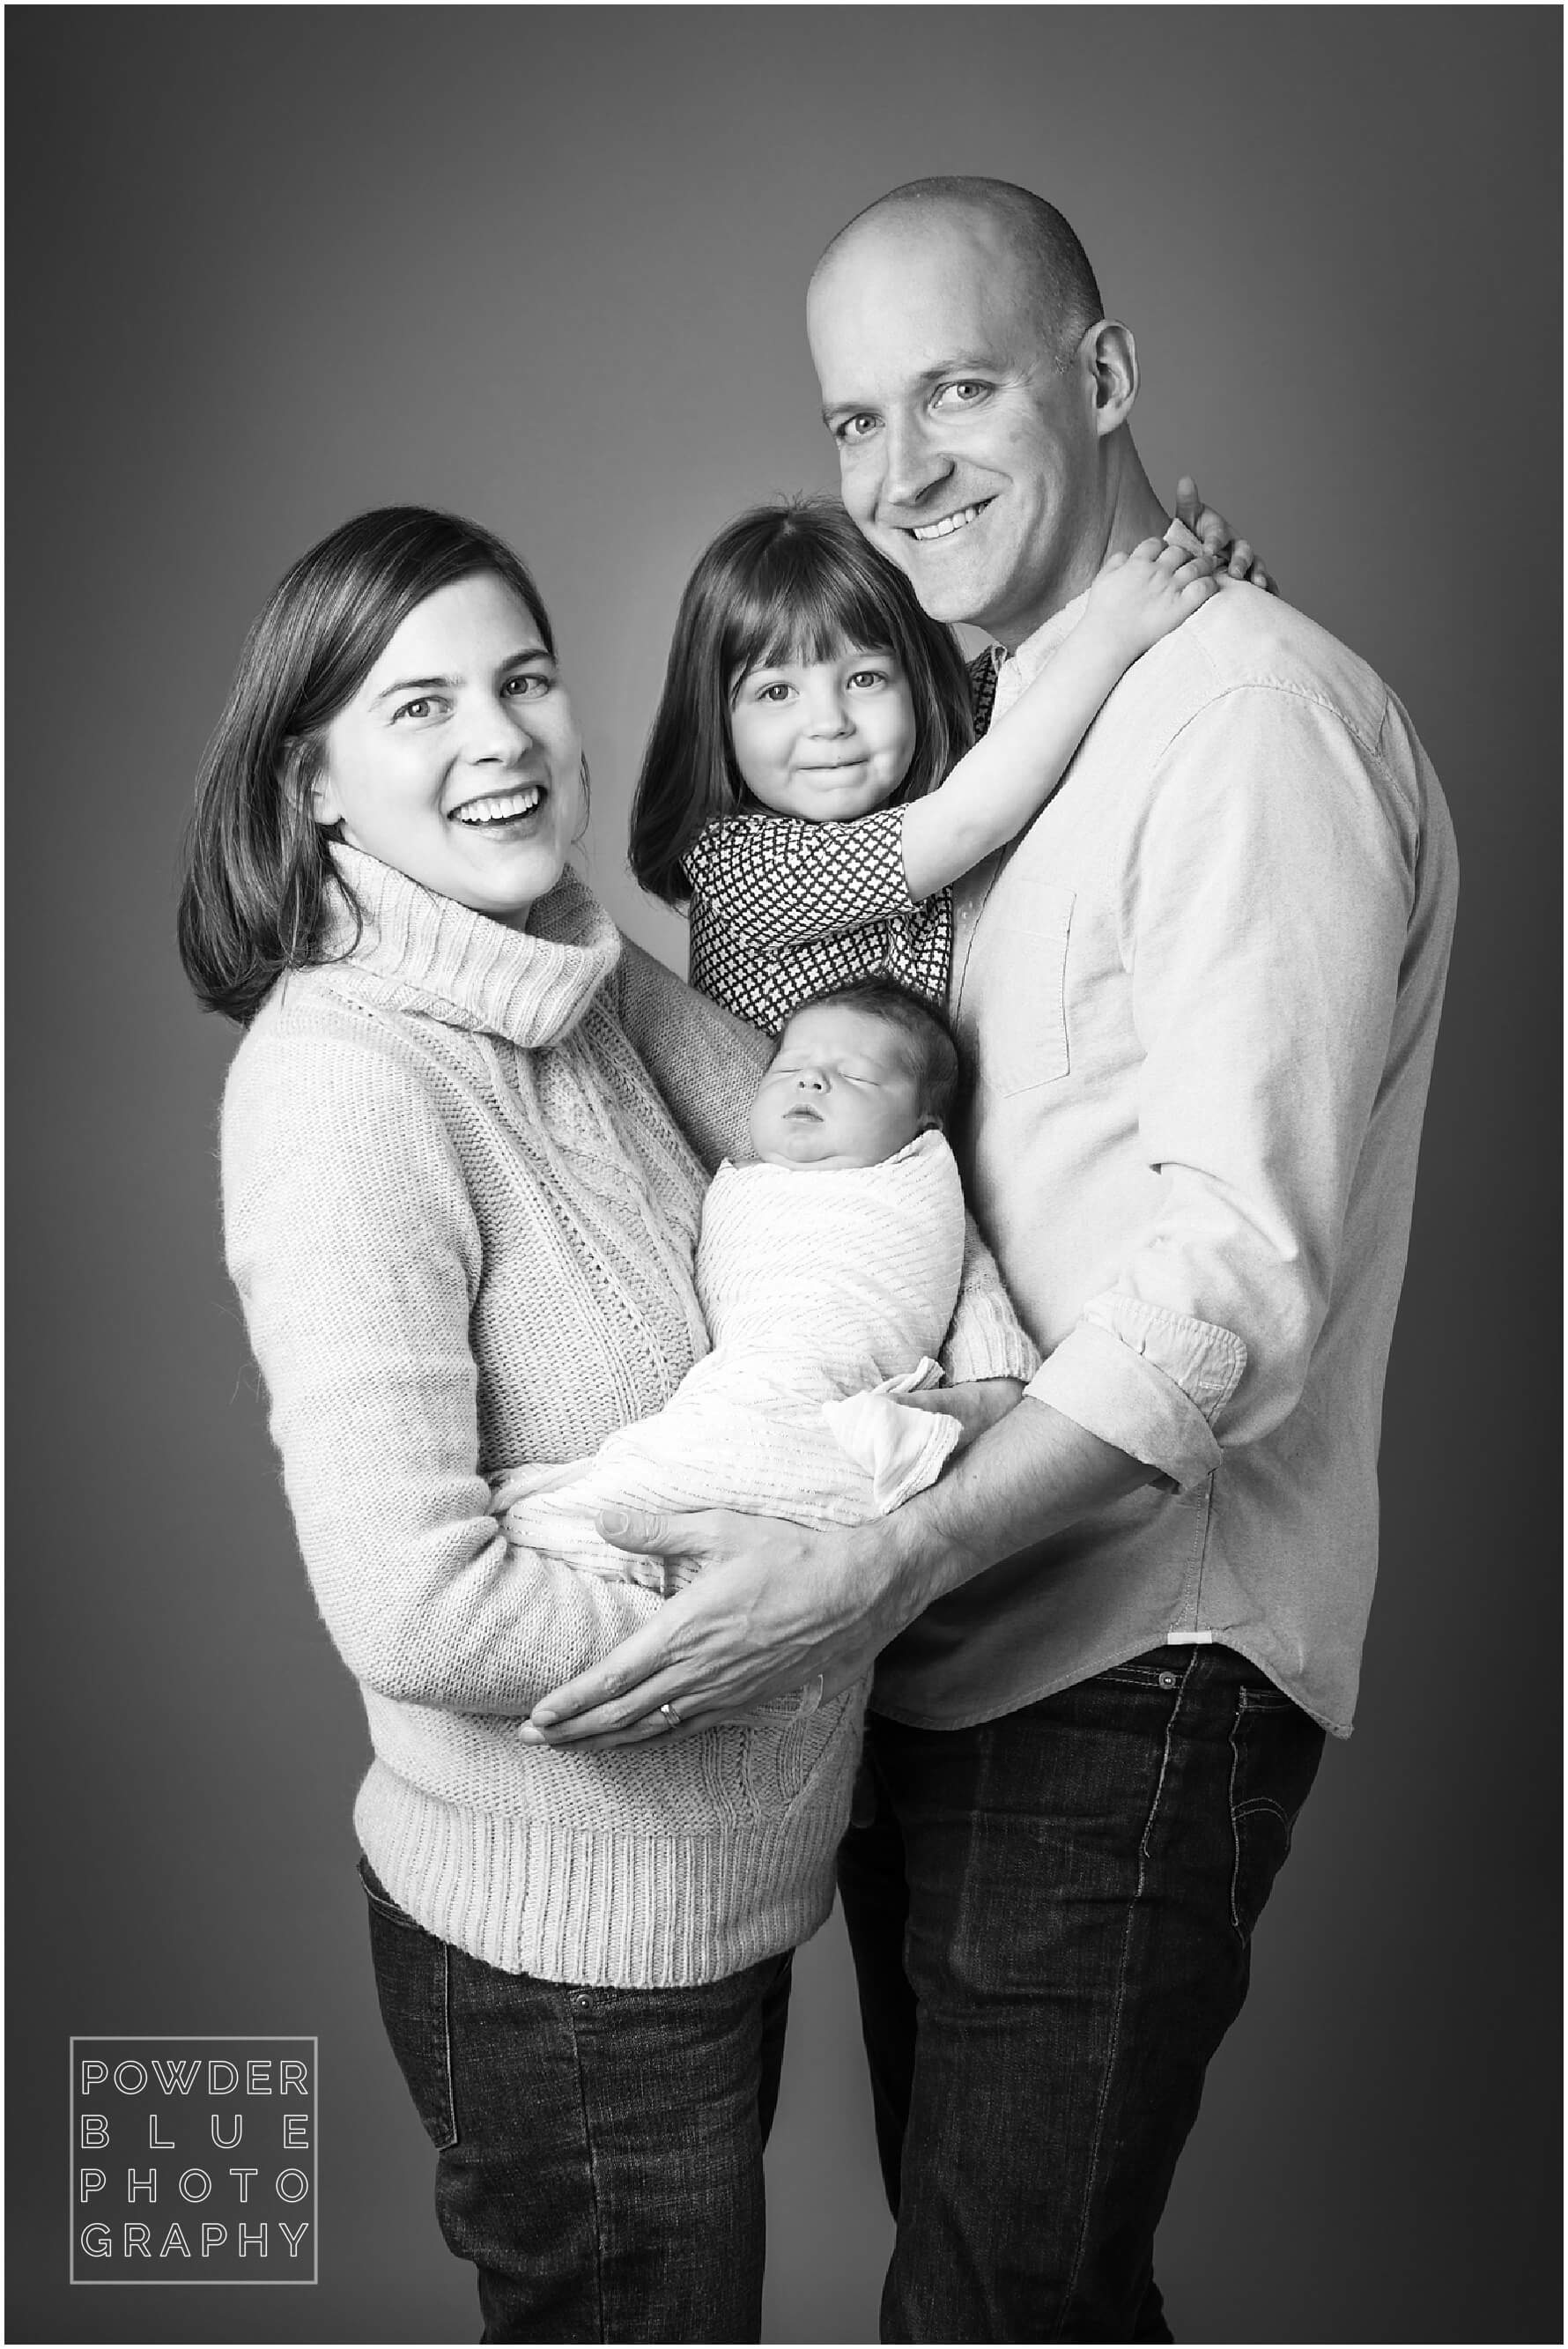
(930, 1049)
(785, 583)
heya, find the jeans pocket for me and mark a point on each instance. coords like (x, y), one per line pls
(1276, 1749)
(413, 1986)
(376, 1892)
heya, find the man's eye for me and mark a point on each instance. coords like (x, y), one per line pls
(854, 427)
(962, 395)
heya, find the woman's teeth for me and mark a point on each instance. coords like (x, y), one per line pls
(503, 808)
(949, 524)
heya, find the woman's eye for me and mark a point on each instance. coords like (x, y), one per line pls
(420, 707)
(529, 688)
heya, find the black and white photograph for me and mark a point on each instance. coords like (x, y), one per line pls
(785, 847)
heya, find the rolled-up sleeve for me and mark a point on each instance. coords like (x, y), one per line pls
(1265, 910)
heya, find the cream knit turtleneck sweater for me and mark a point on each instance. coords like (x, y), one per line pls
(461, 1220)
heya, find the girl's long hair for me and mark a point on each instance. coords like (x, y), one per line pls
(258, 883)
(785, 583)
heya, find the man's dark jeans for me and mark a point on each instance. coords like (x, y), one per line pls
(1051, 1916)
(600, 2150)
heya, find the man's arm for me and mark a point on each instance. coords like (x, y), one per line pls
(777, 1604)
(1266, 915)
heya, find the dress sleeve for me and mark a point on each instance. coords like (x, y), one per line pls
(985, 1339)
(777, 881)
(705, 1061)
(352, 1244)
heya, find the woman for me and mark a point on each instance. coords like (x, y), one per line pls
(461, 1218)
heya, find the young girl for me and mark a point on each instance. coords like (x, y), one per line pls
(808, 784)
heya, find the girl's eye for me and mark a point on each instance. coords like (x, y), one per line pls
(774, 693)
(866, 678)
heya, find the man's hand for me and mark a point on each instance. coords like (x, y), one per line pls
(775, 1605)
(975, 1406)
(1233, 554)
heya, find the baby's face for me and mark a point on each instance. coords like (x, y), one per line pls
(840, 1093)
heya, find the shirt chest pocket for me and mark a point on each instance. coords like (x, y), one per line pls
(1017, 982)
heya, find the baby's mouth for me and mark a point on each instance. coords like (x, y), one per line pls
(803, 1109)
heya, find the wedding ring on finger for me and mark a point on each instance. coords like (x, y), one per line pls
(672, 1718)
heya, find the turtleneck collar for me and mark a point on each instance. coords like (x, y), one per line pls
(429, 954)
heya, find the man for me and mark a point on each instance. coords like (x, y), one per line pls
(1201, 998)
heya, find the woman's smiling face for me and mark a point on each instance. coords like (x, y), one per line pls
(457, 762)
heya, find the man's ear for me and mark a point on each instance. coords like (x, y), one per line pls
(1109, 354)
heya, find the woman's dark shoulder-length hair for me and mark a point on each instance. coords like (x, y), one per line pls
(258, 882)
(782, 583)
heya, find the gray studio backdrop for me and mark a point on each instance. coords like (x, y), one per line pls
(546, 266)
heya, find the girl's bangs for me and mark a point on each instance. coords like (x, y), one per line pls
(803, 617)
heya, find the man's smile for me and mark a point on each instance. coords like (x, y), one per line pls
(925, 532)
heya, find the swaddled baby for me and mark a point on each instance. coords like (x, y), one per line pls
(828, 1269)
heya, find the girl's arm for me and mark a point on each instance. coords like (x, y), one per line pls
(1232, 555)
(1004, 782)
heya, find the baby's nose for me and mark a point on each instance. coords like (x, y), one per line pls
(812, 1079)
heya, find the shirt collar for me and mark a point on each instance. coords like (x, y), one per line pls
(1035, 651)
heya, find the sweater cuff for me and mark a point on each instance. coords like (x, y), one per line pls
(987, 1340)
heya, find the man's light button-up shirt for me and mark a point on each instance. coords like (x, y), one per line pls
(1200, 998)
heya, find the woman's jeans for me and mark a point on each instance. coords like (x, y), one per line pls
(1051, 1916)
(600, 2151)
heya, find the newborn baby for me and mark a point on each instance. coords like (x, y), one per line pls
(828, 1269)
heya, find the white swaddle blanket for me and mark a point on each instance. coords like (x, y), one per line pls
(826, 1293)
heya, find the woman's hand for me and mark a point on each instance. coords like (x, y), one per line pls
(976, 1406)
(1140, 598)
(1234, 555)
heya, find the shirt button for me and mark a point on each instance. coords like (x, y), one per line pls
(1167, 1679)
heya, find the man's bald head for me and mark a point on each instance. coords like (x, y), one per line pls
(1052, 266)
